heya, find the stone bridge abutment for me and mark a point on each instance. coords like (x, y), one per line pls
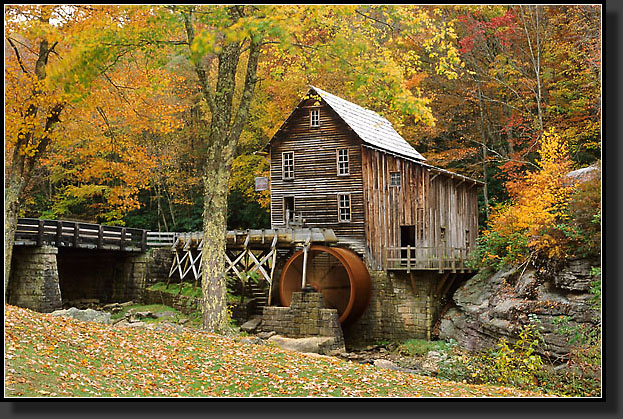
(44, 278)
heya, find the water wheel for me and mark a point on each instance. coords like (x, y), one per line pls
(338, 273)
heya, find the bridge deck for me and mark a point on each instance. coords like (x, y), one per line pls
(238, 239)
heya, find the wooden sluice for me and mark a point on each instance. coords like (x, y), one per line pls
(247, 251)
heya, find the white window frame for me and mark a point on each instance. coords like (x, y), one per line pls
(345, 162)
(392, 177)
(340, 207)
(290, 168)
(314, 122)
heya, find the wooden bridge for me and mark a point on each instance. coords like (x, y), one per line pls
(61, 233)
(247, 251)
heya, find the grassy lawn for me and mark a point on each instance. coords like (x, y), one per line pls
(187, 289)
(58, 357)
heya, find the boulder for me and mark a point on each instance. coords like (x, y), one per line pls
(251, 325)
(488, 308)
(324, 345)
(142, 315)
(252, 341)
(89, 315)
(386, 364)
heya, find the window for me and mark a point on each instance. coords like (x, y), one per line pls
(314, 118)
(394, 179)
(342, 162)
(288, 165)
(343, 201)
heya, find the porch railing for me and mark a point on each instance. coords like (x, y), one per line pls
(438, 258)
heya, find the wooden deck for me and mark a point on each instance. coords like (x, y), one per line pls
(60, 233)
(442, 259)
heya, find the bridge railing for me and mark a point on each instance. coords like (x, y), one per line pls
(161, 238)
(33, 231)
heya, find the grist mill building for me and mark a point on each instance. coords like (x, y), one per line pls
(339, 166)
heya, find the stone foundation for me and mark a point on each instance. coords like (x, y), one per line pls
(402, 306)
(34, 280)
(306, 317)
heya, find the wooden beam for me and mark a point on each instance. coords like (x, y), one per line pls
(441, 283)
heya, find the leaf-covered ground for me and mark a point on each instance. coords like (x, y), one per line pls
(60, 357)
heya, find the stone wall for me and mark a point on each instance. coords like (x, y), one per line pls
(159, 261)
(34, 280)
(306, 317)
(130, 279)
(402, 306)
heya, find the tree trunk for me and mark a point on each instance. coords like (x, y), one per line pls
(213, 284)
(223, 134)
(484, 153)
(11, 212)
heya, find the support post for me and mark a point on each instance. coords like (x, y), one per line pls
(59, 233)
(76, 234)
(272, 268)
(100, 237)
(144, 241)
(304, 267)
(305, 250)
(122, 244)
(40, 233)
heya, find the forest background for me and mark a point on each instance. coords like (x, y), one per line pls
(107, 108)
(487, 81)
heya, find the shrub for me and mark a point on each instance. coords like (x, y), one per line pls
(515, 364)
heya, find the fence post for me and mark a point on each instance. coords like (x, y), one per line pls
(408, 258)
(453, 256)
(76, 234)
(100, 237)
(144, 241)
(59, 233)
(122, 244)
(440, 257)
(40, 233)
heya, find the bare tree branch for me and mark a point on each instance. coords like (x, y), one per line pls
(19, 58)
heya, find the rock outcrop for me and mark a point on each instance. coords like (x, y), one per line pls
(488, 308)
(88, 315)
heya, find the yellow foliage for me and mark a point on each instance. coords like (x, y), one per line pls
(540, 201)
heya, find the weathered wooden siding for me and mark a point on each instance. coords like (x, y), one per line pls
(316, 184)
(425, 199)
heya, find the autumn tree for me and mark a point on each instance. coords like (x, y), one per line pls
(53, 54)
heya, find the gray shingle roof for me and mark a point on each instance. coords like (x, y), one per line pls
(371, 127)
